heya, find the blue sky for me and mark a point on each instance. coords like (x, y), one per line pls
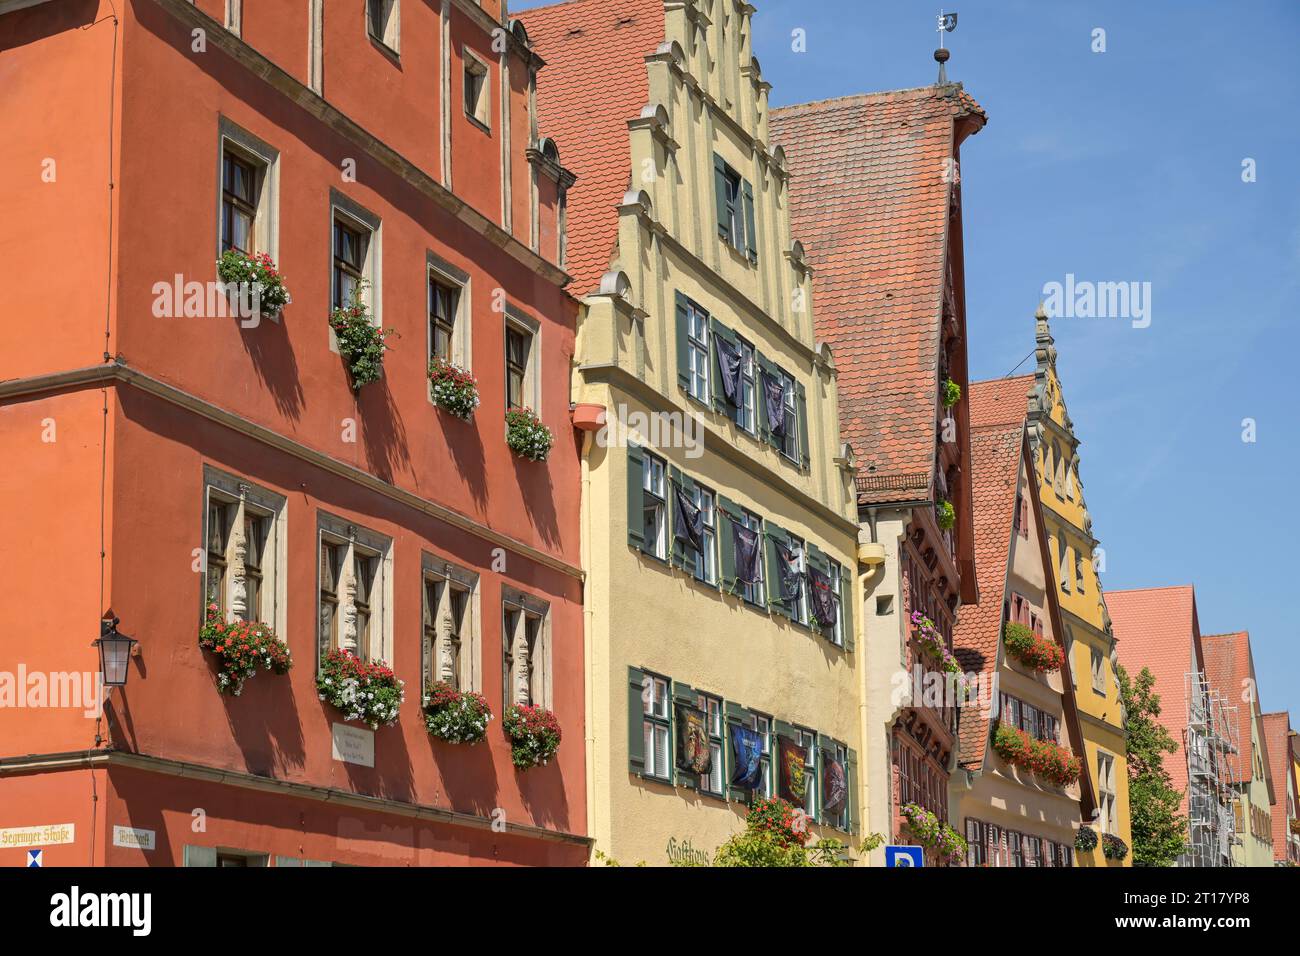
(1126, 166)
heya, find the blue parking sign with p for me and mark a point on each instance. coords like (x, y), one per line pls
(904, 856)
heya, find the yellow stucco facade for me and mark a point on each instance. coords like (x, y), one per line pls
(667, 624)
(1253, 806)
(1078, 558)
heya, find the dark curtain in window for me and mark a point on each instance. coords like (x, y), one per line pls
(835, 784)
(728, 369)
(791, 577)
(747, 746)
(823, 598)
(774, 395)
(746, 553)
(690, 520)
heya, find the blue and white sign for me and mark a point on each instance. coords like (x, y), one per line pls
(904, 856)
(35, 858)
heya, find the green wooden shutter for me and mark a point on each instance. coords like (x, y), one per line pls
(772, 533)
(683, 345)
(728, 514)
(751, 245)
(720, 197)
(851, 771)
(849, 598)
(801, 409)
(681, 553)
(636, 689)
(200, 856)
(683, 694)
(635, 498)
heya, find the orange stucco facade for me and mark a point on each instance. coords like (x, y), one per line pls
(111, 416)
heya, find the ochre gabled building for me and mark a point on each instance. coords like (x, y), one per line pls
(1076, 561)
(876, 194)
(1011, 640)
(1286, 831)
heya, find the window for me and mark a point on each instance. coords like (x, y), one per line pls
(526, 650)
(1015, 848)
(477, 90)
(383, 21)
(841, 820)
(706, 563)
(1063, 561)
(654, 508)
(350, 244)
(836, 577)
(353, 581)
(1098, 672)
(521, 362)
(1033, 851)
(808, 740)
(1106, 791)
(444, 301)
(976, 850)
(746, 411)
(235, 16)
(735, 209)
(697, 330)
(451, 649)
(238, 203)
(1022, 515)
(762, 724)
(1078, 571)
(657, 727)
(242, 549)
(790, 440)
(755, 593)
(799, 612)
(717, 761)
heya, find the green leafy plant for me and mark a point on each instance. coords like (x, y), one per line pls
(944, 514)
(1112, 847)
(1048, 759)
(951, 393)
(1158, 829)
(257, 274)
(242, 648)
(1085, 839)
(454, 389)
(930, 639)
(534, 734)
(370, 693)
(933, 833)
(1031, 650)
(527, 436)
(360, 342)
(453, 716)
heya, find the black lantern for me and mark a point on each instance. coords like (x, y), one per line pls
(114, 651)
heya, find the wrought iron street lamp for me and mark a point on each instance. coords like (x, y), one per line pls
(114, 651)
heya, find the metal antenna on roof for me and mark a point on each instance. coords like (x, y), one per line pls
(947, 23)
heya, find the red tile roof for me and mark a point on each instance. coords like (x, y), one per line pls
(870, 200)
(1230, 669)
(995, 467)
(593, 82)
(1157, 628)
(1277, 731)
(1000, 401)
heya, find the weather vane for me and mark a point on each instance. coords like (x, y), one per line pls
(947, 22)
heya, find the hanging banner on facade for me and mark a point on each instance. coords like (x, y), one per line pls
(794, 771)
(746, 553)
(774, 396)
(823, 599)
(690, 520)
(728, 369)
(747, 750)
(835, 784)
(692, 740)
(791, 576)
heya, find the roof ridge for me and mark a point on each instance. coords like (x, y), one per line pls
(867, 95)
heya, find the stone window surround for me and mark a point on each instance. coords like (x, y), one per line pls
(450, 575)
(513, 316)
(541, 688)
(266, 158)
(473, 63)
(233, 490)
(391, 36)
(462, 339)
(341, 207)
(340, 531)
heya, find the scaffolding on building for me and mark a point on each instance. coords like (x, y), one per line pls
(1210, 742)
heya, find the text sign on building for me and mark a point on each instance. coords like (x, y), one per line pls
(133, 838)
(54, 834)
(904, 856)
(354, 745)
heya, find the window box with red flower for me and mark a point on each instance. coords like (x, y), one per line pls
(361, 343)
(933, 833)
(1049, 760)
(242, 648)
(458, 718)
(370, 693)
(527, 436)
(256, 279)
(534, 735)
(1032, 650)
(1112, 847)
(454, 389)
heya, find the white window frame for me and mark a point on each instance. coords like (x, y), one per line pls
(354, 540)
(525, 323)
(1098, 668)
(706, 561)
(266, 160)
(790, 441)
(654, 484)
(756, 593)
(748, 408)
(836, 574)
(800, 549)
(808, 740)
(372, 266)
(388, 33)
(452, 577)
(480, 111)
(656, 719)
(735, 201)
(540, 686)
(762, 725)
(234, 19)
(243, 495)
(841, 821)
(1106, 790)
(444, 273)
(698, 352)
(715, 726)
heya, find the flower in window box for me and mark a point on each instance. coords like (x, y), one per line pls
(370, 693)
(1112, 847)
(257, 278)
(944, 514)
(1030, 649)
(1085, 840)
(931, 641)
(454, 389)
(934, 834)
(1047, 759)
(951, 393)
(534, 735)
(242, 648)
(527, 436)
(458, 718)
(361, 344)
